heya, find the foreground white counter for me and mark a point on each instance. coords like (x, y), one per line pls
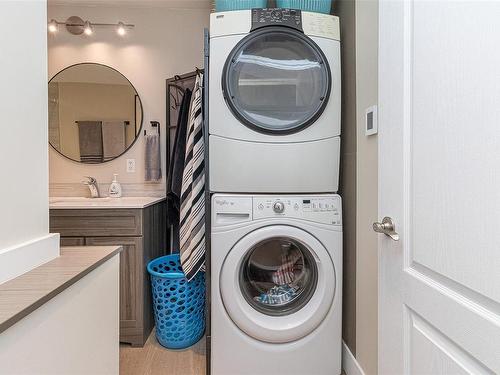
(63, 317)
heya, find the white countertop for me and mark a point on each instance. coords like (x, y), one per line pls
(72, 203)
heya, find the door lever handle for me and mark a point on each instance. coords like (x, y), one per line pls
(386, 227)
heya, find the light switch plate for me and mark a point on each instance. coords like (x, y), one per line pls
(371, 120)
(130, 165)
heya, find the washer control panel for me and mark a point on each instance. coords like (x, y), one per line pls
(276, 16)
(320, 209)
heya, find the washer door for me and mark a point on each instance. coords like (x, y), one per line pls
(277, 284)
(276, 80)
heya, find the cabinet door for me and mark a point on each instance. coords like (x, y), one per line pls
(96, 222)
(72, 241)
(131, 280)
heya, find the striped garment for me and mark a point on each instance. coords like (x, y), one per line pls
(292, 264)
(192, 212)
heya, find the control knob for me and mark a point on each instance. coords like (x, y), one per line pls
(277, 15)
(279, 207)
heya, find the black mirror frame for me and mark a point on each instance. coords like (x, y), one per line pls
(137, 96)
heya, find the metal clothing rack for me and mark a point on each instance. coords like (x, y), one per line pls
(176, 87)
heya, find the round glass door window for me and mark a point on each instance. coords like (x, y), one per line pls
(278, 276)
(277, 80)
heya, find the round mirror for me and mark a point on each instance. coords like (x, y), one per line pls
(95, 114)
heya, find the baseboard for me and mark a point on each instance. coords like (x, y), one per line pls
(19, 259)
(349, 363)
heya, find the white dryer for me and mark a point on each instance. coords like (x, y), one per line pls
(274, 101)
(276, 285)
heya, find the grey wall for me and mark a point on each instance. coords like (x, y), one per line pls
(359, 179)
(345, 9)
(367, 191)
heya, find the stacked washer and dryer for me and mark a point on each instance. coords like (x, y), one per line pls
(276, 235)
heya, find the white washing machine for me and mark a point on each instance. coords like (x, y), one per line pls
(274, 101)
(276, 285)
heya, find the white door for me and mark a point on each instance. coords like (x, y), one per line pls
(439, 173)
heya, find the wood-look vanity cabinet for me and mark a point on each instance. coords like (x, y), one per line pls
(142, 233)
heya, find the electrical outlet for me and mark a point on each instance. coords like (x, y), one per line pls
(130, 165)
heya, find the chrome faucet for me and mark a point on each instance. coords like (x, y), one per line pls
(92, 185)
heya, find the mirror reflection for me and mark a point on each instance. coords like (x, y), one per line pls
(95, 114)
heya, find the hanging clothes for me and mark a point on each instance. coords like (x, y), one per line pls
(192, 212)
(176, 169)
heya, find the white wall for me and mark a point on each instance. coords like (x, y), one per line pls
(366, 190)
(77, 332)
(24, 226)
(165, 41)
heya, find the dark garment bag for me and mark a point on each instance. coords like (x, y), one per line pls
(176, 170)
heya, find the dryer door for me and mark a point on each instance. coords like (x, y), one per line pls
(276, 80)
(278, 284)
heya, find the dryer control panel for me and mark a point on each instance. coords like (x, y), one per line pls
(319, 209)
(276, 16)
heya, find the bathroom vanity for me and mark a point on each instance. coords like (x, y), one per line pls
(137, 224)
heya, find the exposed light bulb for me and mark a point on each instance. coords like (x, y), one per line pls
(121, 29)
(53, 26)
(87, 28)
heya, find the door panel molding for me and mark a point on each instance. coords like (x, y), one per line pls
(451, 352)
(483, 305)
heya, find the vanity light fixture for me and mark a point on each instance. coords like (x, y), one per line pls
(53, 26)
(121, 29)
(77, 26)
(87, 28)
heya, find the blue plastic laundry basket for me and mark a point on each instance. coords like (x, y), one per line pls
(224, 5)
(179, 305)
(319, 6)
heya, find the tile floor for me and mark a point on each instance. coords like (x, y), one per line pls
(153, 359)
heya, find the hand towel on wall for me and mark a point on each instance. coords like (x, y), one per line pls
(192, 213)
(113, 139)
(153, 158)
(90, 141)
(176, 168)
